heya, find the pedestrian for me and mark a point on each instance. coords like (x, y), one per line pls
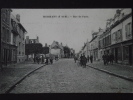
(42, 59)
(91, 59)
(51, 60)
(46, 60)
(75, 58)
(84, 61)
(38, 59)
(34, 59)
(88, 58)
(104, 59)
(81, 60)
(107, 59)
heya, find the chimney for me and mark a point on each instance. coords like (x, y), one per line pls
(27, 39)
(118, 11)
(45, 44)
(100, 29)
(18, 17)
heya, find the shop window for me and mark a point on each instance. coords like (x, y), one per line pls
(126, 53)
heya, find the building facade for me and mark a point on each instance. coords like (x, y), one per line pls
(117, 37)
(20, 40)
(6, 46)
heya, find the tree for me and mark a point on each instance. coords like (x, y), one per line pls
(66, 51)
(45, 50)
(33, 48)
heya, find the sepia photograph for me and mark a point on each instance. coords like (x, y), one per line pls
(54, 50)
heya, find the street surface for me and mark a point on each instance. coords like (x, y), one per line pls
(64, 76)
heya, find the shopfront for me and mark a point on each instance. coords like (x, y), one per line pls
(128, 53)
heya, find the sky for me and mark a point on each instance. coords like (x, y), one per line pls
(71, 31)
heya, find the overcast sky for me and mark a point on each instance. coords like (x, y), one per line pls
(71, 31)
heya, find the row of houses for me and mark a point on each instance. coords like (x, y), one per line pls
(57, 48)
(116, 38)
(12, 38)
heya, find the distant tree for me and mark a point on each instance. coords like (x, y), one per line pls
(45, 50)
(33, 48)
(66, 51)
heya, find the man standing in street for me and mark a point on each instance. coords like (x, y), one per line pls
(75, 58)
(84, 59)
(104, 59)
(88, 58)
(81, 60)
(91, 59)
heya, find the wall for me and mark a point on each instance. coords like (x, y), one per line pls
(118, 27)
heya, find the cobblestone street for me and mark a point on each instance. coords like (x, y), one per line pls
(64, 76)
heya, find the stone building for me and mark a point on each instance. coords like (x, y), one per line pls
(6, 46)
(117, 37)
(20, 40)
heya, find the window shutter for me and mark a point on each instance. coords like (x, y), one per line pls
(126, 30)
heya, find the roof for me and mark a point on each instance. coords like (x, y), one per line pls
(14, 18)
(56, 45)
(93, 39)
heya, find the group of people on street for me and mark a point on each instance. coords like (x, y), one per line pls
(83, 60)
(108, 58)
(42, 59)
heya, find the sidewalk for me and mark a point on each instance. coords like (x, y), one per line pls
(10, 75)
(123, 71)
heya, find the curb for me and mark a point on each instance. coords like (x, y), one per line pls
(12, 87)
(120, 76)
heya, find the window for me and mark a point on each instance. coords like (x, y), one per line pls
(7, 36)
(128, 30)
(114, 36)
(4, 33)
(14, 39)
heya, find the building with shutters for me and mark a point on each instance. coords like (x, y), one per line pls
(117, 37)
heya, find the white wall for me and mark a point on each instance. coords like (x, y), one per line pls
(55, 51)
